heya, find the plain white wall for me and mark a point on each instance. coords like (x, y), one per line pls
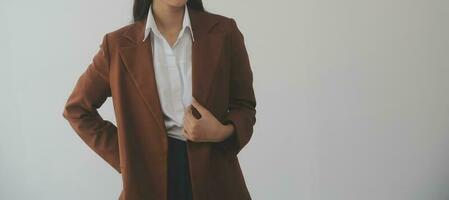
(353, 98)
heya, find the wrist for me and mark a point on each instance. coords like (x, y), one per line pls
(227, 130)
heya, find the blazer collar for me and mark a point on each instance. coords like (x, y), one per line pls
(207, 49)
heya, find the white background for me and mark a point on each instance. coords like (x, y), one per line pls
(353, 98)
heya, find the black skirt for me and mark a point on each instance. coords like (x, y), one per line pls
(179, 185)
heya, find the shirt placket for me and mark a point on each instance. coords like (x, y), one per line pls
(176, 82)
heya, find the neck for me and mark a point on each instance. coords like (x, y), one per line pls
(167, 17)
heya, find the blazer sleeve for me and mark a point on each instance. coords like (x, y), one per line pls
(242, 102)
(90, 92)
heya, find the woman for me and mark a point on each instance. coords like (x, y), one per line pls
(181, 86)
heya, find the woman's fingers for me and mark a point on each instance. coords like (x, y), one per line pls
(184, 132)
(188, 123)
(201, 109)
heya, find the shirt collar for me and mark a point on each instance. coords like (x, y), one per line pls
(151, 24)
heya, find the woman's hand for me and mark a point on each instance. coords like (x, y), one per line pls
(205, 129)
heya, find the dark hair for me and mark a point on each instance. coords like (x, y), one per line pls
(141, 7)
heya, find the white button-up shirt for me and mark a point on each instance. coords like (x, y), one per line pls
(173, 70)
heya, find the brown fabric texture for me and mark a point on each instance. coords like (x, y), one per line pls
(136, 146)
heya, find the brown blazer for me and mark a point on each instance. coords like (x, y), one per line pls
(137, 146)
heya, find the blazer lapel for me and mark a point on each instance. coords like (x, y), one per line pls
(138, 60)
(206, 53)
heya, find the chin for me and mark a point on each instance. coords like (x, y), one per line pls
(176, 3)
